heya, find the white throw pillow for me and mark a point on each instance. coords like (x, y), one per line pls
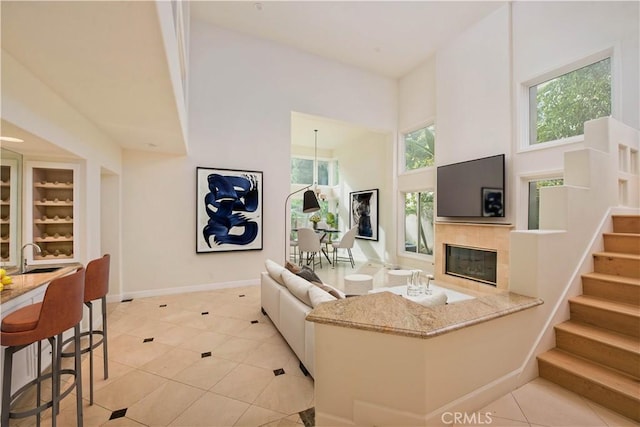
(275, 270)
(297, 286)
(318, 296)
(436, 298)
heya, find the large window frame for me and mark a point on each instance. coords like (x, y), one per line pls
(423, 237)
(533, 200)
(429, 127)
(527, 104)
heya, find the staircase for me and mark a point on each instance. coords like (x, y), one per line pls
(597, 353)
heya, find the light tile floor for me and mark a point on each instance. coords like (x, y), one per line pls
(210, 363)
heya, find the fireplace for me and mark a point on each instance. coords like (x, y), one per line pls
(475, 264)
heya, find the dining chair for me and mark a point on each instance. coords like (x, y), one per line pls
(309, 242)
(346, 242)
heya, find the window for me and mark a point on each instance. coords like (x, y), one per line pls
(323, 172)
(419, 148)
(534, 199)
(301, 171)
(418, 220)
(560, 106)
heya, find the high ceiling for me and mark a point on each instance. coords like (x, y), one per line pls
(388, 38)
(385, 37)
(106, 58)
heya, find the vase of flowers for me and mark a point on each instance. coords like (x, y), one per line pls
(315, 219)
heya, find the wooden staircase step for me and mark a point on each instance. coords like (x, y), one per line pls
(607, 387)
(616, 316)
(628, 243)
(626, 223)
(617, 351)
(608, 286)
(627, 265)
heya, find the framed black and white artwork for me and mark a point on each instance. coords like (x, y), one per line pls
(363, 212)
(228, 210)
(492, 204)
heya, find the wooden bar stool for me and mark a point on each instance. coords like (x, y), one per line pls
(96, 286)
(60, 310)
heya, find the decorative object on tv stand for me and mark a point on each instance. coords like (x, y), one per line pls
(228, 210)
(363, 212)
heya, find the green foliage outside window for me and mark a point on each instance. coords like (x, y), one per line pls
(534, 199)
(563, 104)
(418, 213)
(419, 147)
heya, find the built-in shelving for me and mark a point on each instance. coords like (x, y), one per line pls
(52, 211)
(8, 213)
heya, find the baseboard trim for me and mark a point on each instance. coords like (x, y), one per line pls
(182, 290)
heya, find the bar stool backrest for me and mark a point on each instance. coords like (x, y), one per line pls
(97, 278)
(62, 306)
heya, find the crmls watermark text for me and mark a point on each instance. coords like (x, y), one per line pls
(476, 418)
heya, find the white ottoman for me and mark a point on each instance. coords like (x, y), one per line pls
(398, 277)
(357, 284)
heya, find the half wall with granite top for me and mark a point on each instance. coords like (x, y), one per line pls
(383, 359)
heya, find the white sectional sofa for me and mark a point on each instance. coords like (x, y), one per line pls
(287, 299)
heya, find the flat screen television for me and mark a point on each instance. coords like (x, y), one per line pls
(472, 189)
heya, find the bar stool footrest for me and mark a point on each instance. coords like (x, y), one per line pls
(35, 410)
(86, 349)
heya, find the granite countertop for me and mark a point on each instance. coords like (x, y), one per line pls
(23, 283)
(389, 313)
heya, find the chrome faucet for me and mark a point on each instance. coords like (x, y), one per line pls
(23, 260)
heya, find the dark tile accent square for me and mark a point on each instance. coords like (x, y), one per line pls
(241, 295)
(127, 300)
(253, 322)
(147, 340)
(206, 354)
(118, 414)
(277, 372)
(163, 305)
(204, 313)
(308, 417)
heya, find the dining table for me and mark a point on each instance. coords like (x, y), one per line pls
(326, 232)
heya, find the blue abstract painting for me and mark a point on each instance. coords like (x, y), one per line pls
(229, 210)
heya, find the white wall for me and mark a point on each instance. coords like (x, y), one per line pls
(549, 35)
(416, 108)
(473, 92)
(365, 165)
(479, 77)
(466, 88)
(242, 93)
(32, 106)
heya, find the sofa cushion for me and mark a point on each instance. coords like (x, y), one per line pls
(336, 293)
(275, 270)
(304, 272)
(298, 286)
(318, 296)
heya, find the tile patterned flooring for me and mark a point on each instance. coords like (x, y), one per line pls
(207, 362)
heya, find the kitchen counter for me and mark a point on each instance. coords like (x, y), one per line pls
(24, 283)
(392, 314)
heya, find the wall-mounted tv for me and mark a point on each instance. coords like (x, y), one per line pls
(472, 189)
